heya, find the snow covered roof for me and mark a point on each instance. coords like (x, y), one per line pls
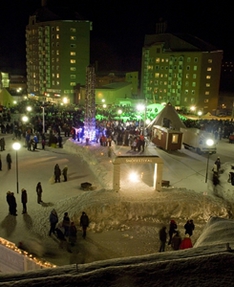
(169, 116)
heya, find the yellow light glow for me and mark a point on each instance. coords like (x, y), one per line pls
(133, 177)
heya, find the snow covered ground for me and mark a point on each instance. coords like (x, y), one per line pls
(125, 224)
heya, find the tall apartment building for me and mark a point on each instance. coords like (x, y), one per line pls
(181, 69)
(57, 53)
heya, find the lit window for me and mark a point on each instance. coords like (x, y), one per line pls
(72, 53)
(72, 69)
(73, 38)
(207, 85)
(157, 60)
(162, 60)
(57, 83)
(209, 69)
(194, 76)
(57, 28)
(57, 75)
(72, 84)
(195, 68)
(193, 84)
(207, 93)
(187, 76)
(206, 101)
(175, 138)
(208, 77)
(57, 36)
(73, 30)
(57, 52)
(188, 60)
(72, 61)
(156, 75)
(209, 61)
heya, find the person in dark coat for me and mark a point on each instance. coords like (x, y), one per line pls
(172, 230)
(53, 221)
(218, 164)
(9, 161)
(13, 205)
(65, 172)
(39, 193)
(84, 223)
(189, 227)
(176, 241)
(66, 224)
(163, 238)
(72, 234)
(24, 200)
(8, 199)
(59, 231)
(57, 173)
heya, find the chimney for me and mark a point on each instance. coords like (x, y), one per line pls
(43, 3)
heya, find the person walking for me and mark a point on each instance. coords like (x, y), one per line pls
(39, 193)
(172, 230)
(162, 238)
(57, 173)
(53, 221)
(84, 223)
(8, 199)
(189, 227)
(66, 224)
(65, 172)
(176, 241)
(24, 200)
(9, 161)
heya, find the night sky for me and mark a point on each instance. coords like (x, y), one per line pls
(119, 27)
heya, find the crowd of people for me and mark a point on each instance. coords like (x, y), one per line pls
(175, 239)
(66, 231)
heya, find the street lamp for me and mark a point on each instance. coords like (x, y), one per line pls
(16, 146)
(29, 109)
(209, 143)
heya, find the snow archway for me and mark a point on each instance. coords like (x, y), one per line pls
(125, 159)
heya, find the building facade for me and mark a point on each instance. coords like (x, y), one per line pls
(57, 54)
(182, 70)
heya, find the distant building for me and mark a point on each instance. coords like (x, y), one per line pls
(114, 93)
(17, 85)
(4, 80)
(181, 69)
(57, 52)
(103, 79)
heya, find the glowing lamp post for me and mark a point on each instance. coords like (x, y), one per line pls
(24, 119)
(209, 143)
(16, 146)
(29, 109)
